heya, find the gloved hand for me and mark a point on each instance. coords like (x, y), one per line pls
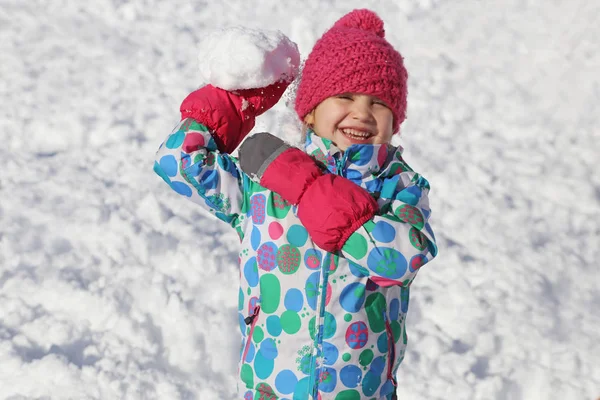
(230, 115)
(330, 207)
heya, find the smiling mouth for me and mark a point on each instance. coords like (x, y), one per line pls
(355, 134)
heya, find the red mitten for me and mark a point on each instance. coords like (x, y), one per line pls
(330, 207)
(230, 115)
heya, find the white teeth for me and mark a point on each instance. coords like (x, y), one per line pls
(353, 133)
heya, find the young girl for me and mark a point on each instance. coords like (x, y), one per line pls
(333, 236)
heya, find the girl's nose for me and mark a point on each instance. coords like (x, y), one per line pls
(361, 111)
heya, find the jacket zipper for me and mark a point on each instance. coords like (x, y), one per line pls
(250, 320)
(391, 353)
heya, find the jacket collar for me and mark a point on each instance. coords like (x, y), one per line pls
(363, 164)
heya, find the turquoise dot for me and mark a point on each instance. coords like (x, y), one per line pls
(251, 272)
(168, 164)
(181, 188)
(357, 270)
(382, 342)
(268, 349)
(175, 140)
(371, 383)
(161, 173)
(294, 300)
(383, 232)
(242, 324)
(274, 325)
(263, 367)
(301, 391)
(286, 381)
(297, 235)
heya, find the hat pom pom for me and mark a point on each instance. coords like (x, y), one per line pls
(362, 19)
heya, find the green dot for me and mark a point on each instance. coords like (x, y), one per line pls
(290, 322)
(365, 357)
(247, 376)
(346, 357)
(356, 246)
(348, 317)
(258, 334)
(270, 290)
(349, 394)
(249, 291)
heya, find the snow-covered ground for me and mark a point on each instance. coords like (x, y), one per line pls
(113, 287)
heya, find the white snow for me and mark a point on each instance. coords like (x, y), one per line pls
(113, 287)
(243, 58)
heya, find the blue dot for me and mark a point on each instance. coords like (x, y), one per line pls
(182, 188)
(330, 353)
(297, 235)
(286, 381)
(255, 238)
(251, 351)
(353, 175)
(168, 164)
(386, 388)
(350, 376)
(353, 297)
(387, 262)
(378, 365)
(251, 272)
(227, 165)
(294, 300)
(263, 366)
(268, 349)
(175, 140)
(363, 155)
(327, 380)
(394, 309)
(274, 325)
(383, 232)
(210, 180)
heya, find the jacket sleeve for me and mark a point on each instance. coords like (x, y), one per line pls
(190, 163)
(392, 246)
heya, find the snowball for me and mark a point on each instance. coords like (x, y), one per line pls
(243, 58)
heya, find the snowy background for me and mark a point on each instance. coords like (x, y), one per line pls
(113, 287)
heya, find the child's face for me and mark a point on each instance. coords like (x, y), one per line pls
(351, 118)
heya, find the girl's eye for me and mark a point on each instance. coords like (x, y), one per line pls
(345, 97)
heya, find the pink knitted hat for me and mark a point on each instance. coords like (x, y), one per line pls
(354, 57)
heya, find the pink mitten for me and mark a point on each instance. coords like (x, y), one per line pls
(230, 115)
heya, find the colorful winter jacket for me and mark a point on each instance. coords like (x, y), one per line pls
(314, 325)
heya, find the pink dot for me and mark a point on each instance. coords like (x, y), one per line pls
(328, 294)
(192, 142)
(275, 230)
